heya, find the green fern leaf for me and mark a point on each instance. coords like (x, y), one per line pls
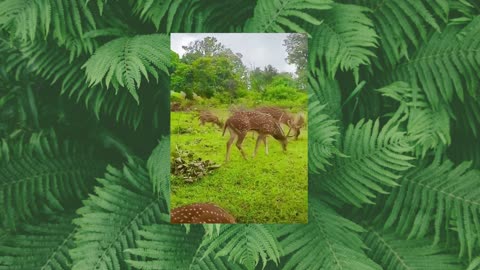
(247, 244)
(64, 19)
(169, 247)
(38, 246)
(428, 128)
(51, 63)
(221, 16)
(324, 113)
(166, 247)
(393, 252)
(404, 24)
(474, 264)
(110, 219)
(42, 172)
(344, 40)
(152, 10)
(446, 65)
(467, 10)
(158, 167)
(277, 15)
(438, 195)
(322, 135)
(328, 241)
(326, 91)
(375, 157)
(122, 62)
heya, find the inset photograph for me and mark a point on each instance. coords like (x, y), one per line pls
(239, 131)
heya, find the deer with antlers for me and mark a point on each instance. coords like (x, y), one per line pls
(295, 123)
(209, 117)
(241, 122)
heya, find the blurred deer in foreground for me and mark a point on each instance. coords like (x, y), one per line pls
(209, 117)
(200, 213)
(294, 123)
(241, 122)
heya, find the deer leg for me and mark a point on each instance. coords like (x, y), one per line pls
(297, 134)
(259, 138)
(266, 145)
(289, 129)
(240, 139)
(229, 144)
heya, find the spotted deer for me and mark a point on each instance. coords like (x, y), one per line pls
(240, 123)
(209, 117)
(294, 123)
(200, 213)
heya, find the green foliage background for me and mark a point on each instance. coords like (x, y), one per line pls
(394, 117)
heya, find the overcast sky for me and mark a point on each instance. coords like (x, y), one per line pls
(258, 50)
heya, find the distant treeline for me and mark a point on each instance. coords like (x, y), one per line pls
(210, 70)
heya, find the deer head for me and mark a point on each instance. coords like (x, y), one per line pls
(209, 117)
(200, 213)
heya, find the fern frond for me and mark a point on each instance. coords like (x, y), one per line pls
(328, 241)
(279, 15)
(193, 15)
(474, 264)
(111, 218)
(158, 167)
(463, 11)
(43, 172)
(122, 62)
(375, 158)
(162, 11)
(445, 65)
(322, 135)
(166, 247)
(38, 246)
(392, 252)
(29, 20)
(212, 230)
(222, 17)
(246, 244)
(404, 24)
(428, 128)
(52, 63)
(170, 247)
(11, 64)
(344, 40)
(326, 91)
(440, 195)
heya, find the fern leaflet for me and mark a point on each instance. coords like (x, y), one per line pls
(110, 219)
(328, 241)
(122, 62)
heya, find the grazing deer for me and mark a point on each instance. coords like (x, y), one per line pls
(200, 213)
(286, 118)
(264, 124)
(209, 117)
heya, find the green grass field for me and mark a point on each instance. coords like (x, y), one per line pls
(269, 188)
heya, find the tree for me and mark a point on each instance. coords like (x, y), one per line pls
(297, 50)
(206, 76)
(210, 47)
(259, 79)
